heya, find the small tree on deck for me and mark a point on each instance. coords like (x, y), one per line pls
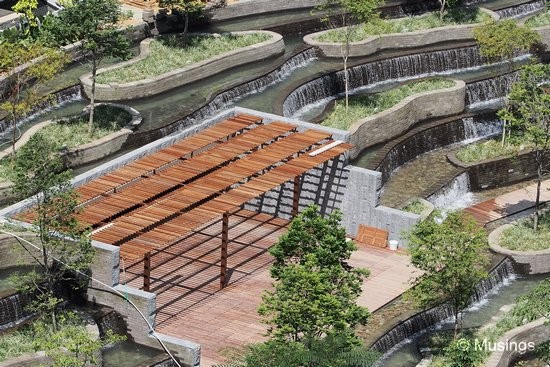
(452, 256)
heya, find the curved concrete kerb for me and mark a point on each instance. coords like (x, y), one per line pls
(182, 76)
(528, 262)
(394, 121)
(135, 121)
(396, 41)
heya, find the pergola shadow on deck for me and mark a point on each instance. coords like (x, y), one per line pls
(186, 273)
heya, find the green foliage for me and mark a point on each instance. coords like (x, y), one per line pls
(452, 255)
(415, 206)
(539, 20)
(20, 92)
(543, 352)
(69, 344)
(362, 106)
(489, 149)
(504, 40)
(27, 8)
(185, 7)
(168, 53)
(94, 23)
(462, 353)
(528, 111)
(522, 237)
(328, 352)
(65, 248)
(408, 24)
(315, 289)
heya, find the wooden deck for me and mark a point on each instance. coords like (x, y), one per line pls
(509, 203)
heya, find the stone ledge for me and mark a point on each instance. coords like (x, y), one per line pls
(399, 118)
(396, 41)
(529, 262)
(182, 76)
(535, 332)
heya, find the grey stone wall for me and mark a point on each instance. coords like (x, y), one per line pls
(247, 8)
(526, 262)
(397, 41)
(536, 332)
(123, 298)
(178, 77)
(399, 118)
(361, 205)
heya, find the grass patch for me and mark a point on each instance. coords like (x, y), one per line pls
(415, 207)
(539, 20)
(366, 105)
(167, 53)
(408, 24)
(487, 150)
(522, 237)
(74, 132)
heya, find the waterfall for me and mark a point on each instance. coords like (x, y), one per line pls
(12, 311)
(493, 89)
(475, 129)
(393, 69)
(59, 98)
(455, 195)
(426, 319)
(230, 96)
(521, 10)
(110, 321)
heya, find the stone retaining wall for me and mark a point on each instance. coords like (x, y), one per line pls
(536, 332)
(397, 41)
(498, 172)
(182, 76)
(248, 8)
(12, 252)
(527, 262)
(399, 118)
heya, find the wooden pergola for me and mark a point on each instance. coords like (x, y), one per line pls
(157, 200)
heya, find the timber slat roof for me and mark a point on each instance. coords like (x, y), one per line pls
(158, 199)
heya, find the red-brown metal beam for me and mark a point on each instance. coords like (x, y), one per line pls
(296, 196)
(147, 271)
(225, 240)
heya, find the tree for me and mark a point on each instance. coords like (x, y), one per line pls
(528, 109)
(65, 248)
(315, 289)
(348, 14)
(95, 24)
(27, 65)
(444, 5)
(27, 8)
(452, 256)
(503, 41)
(185, 7)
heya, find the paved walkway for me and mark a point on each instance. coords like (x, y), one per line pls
(509, 203)
(191, 305)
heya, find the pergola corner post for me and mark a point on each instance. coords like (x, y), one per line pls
(225, 240)
(296, 196)
(147, 271)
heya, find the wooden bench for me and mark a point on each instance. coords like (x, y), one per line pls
(372, 236)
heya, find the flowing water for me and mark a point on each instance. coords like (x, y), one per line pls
(521, 10)
(128, 354)
(407, 353)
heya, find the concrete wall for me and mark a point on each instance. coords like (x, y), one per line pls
(527, 262)
(545, 34)
(498, 172)
(361, 205)
(536, 332)
(178, 77)
(397, 41)
(248, 8)
(399, 118)
(106, 268)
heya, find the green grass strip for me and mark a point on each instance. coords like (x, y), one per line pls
(168, 53)
(408, 24)
(366, 105)
(539, 20)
